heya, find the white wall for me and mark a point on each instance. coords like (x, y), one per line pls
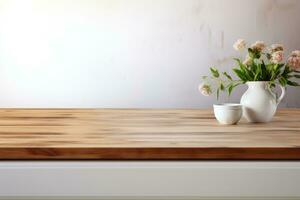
(130, 53)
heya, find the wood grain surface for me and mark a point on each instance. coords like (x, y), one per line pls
(133, 134)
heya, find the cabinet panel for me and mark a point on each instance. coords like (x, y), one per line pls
(149, 179)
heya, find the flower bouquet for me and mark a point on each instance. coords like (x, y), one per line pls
(263, 68)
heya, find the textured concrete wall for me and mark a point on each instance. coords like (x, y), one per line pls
(133, 53)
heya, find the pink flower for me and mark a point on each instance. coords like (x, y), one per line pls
(258, 46)
(248, 60)
(277, 57)
(240, 44)
(276, 47)
(295, 53)
(294, 60)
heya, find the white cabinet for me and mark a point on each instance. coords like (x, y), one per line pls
(149, 180)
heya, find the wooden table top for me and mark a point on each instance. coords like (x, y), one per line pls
(143, 134)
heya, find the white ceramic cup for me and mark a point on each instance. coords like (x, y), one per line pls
(228, 113)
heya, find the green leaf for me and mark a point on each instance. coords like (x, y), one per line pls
(246, 72)
(272, 84)
(231, 86)
(274, 67)
(282, 81)
(227, 75)
(240, 74)
(222, 87)
(297, 76)
(264, 72)
(230, 90)
(255, 64)
(253, 53)
(257, 72)
(291, 83)
(215, 72)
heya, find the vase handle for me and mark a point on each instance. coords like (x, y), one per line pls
(282, 94)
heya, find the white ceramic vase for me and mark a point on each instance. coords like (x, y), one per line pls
(259, 101)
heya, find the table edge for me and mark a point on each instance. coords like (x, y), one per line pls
(150, 153)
